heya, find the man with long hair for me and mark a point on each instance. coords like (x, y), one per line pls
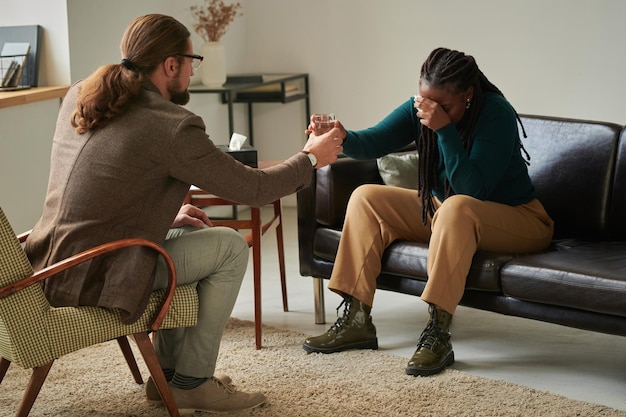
(123, 158)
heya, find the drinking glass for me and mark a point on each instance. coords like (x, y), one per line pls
(322, 123)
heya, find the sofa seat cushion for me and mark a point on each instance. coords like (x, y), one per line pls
(582, 275)
(408, 259)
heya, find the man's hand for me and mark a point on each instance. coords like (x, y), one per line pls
(327, 146)
(190, 215)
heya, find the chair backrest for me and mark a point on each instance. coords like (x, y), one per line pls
(22, 314)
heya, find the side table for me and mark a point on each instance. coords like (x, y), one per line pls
(231, 94)
(257, 228)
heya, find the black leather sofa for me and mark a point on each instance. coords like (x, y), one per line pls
(579, 170)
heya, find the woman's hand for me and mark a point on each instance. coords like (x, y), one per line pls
(190, 215)
(430, 113)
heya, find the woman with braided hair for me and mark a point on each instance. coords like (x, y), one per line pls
(474, 193)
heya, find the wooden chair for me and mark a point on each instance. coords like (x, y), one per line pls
(201, 198)
(33, 334)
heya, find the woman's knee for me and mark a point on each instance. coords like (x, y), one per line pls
(366, 192)
(367, 195)
(456, 208)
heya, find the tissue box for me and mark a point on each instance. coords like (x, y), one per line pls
(246, 155)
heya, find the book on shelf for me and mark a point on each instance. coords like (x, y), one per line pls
(251, 77)
(244, 78)
(271, 91)
(9, 78)
(12, 61)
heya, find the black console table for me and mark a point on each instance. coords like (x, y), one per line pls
(267, 88)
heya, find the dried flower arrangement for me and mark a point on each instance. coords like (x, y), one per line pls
(213, 18)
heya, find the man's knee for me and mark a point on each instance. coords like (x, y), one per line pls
(236, 243)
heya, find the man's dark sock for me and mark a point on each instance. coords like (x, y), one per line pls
(169, 374)
(187, 382)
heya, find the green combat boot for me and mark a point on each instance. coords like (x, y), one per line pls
(434, 350)
(353, 330)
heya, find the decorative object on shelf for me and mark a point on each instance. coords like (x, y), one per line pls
(212, 20)
(213, 71)
(13, 60)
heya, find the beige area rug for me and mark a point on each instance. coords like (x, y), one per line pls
(97, 382)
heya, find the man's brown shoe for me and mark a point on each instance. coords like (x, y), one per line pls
(214, 396)
(434, 350)
(153, 396)
(353, 330)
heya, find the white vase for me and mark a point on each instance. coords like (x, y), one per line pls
(214, 64)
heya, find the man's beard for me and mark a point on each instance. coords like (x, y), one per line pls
(178, 95)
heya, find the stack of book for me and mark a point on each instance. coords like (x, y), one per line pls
(278, 90)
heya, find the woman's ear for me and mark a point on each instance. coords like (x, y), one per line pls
(469, 94)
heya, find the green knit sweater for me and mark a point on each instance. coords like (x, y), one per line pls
(493, 170)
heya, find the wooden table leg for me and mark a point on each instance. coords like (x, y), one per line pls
(256, 262)
(281, 252)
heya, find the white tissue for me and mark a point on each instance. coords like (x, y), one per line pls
(236, 142)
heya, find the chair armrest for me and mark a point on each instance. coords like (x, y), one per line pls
(81, 257)
(22, 236)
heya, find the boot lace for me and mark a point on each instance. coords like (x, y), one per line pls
(343, 319)
(229, 388)
(431, 335)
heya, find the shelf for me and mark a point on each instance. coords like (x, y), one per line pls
(259, 88)
(31, 95)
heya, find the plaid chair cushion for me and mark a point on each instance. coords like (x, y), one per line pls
(32, 333)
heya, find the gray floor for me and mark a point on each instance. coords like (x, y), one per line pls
(577, 364)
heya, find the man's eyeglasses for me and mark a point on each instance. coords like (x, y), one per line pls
(196, 60)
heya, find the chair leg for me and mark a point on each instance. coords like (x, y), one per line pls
(318, 294)
(130, 358)
(4, 365)
(34, 386)
(281, 252)
(149, 355)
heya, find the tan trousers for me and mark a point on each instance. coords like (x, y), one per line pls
(378, 214)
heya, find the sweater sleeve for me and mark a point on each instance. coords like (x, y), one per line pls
(391, 134)
(495, 150)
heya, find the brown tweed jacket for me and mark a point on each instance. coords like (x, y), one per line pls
(129, 179)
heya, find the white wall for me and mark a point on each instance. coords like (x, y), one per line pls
(26, 131)
(558, 57)
(54, 48)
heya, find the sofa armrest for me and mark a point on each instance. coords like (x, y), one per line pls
(335, 184)
(324, 201)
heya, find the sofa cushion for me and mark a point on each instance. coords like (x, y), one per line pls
(399, 170)
(582, 275)
(408, 259)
